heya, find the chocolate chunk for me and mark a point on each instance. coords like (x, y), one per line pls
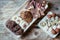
(10, 24)
(19, 32)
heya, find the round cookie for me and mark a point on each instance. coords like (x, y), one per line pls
(27, 16)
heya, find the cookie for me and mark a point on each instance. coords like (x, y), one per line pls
(27, 16)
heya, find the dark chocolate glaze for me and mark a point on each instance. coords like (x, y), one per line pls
(14, 27)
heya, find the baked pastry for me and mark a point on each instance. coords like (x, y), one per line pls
(27, 16)
(14, 27)
(57, 30)
(10, 24)
(53, 31)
